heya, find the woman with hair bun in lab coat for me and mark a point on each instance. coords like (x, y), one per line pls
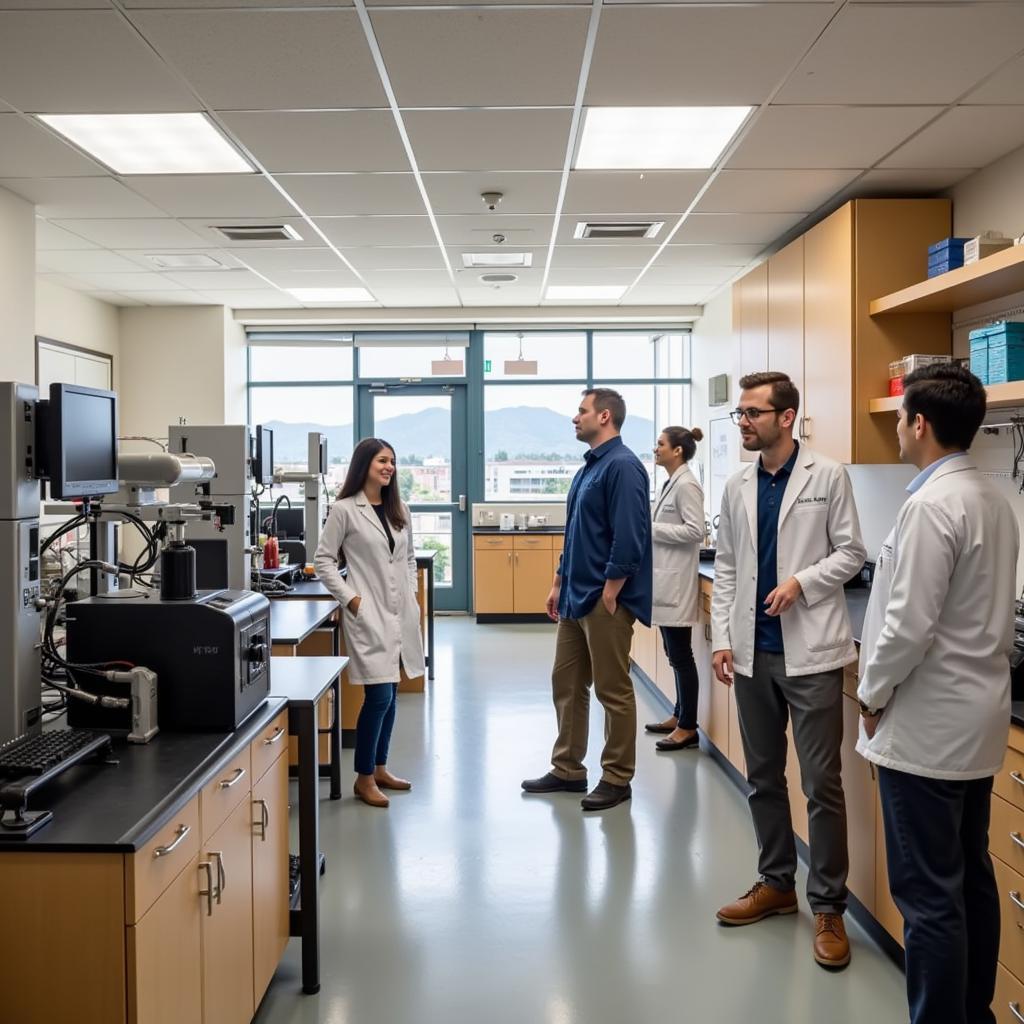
(369, 531)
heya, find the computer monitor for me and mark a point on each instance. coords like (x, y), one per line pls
(82, 441)
(291, 522)
(264, 472)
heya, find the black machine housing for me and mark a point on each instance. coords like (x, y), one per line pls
(211, 656)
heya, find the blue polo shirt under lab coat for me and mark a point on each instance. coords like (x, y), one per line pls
(607, 534)
(770, 491)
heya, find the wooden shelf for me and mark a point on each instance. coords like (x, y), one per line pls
(991, 278)
(999, 396)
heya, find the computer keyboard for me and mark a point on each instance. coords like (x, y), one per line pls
(42, 753)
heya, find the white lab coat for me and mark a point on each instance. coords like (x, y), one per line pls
(819, 543)
(387, 626)
(676, 532)
(939, 630)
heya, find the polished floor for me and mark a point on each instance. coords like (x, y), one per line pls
(469, 902)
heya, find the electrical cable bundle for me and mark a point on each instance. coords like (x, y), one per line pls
(1018, 450)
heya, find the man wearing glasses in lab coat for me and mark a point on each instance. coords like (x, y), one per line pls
(935, 696)
(789, 538)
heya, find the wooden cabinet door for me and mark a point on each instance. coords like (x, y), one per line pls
(753, 330)
(270, 912)
(531, 582)
(492, 581)
(227, 931)
(828, 336)
(735, 739)
(886, 912)
(165, 955)
(706, 678)
(797, 800)
(859, 789)
(718, 726)
(786, 313)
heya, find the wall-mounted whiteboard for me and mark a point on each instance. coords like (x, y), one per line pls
(57, 363)
(723, 458)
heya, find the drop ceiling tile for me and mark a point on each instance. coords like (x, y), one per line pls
(524, 278)
(271, 261)
(339, 277)
(909, 181)
(793, 191)
(60, 198)
(451, 58)
(583, 256)
(322, 140)
(116, 299)
(485, 140)
(1005, 86)
(268, 299)
(140, 257)
(165, 298)
(567, 227)
(29, 151)
(592, 275)
(737, 54)
(827, 136)
(49, 236)
(83, 62)
(683, 255)
(396, 257)
(205, 228)
(186, 4)
(410, 297)
(508, 295)
(676, 277)
(659, 295)
(218, 280)
(522, 191)
(520, 230)
(906, 53)
(744, 228)
(268, 60)
(392, 279)
(632, 192)
(212, 195)
(327, 195)
(151, 234)
(66, 281)
(359, 231)
(467, 3)
(963, 137)
(61, 5)
(135, 282)
(77, 261)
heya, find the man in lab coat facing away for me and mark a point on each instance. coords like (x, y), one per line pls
(935, 696)
(788, 540)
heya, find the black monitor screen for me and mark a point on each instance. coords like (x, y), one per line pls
(211, 563)
(83, 441)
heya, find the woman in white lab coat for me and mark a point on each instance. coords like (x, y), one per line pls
(677, 532)
(369, 531)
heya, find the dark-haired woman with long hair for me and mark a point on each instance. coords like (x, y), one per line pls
(676, 533)
(369, 531)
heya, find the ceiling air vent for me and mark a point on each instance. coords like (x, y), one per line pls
(494, 279)
(258, 232)
(618, 229)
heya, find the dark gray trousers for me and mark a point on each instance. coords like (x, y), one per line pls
(765, 702)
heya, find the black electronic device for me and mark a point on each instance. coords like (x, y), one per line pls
(291, 522)
(1017, 660)
(263, 472)
(211, 562)
(76, 440)
(706, 554)
(211, 655)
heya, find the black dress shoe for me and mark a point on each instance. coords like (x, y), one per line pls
(662, 727)
(551, 783)
(692, 741)
(605, 795)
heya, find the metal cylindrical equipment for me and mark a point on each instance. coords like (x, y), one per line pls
(178, 573)
(164, 469)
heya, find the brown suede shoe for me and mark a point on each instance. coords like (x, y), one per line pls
(371, 795)
(663, 727)
(756, 904)
(385, 780)
(831, 946)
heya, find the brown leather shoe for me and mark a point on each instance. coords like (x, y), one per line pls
(663, 727)
(385, 780)
(756, 904)
(371, 795)
(831, 946)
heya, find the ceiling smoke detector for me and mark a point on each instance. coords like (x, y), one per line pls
(496, 280)
(257, 232)
(491, 199)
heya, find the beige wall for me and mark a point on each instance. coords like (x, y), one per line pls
(17, 288)
(991, 199)
(77, 319)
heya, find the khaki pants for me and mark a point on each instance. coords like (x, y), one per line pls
(594, 649)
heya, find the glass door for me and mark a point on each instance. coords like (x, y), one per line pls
(426, 425)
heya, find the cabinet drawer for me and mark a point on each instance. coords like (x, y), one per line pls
(851, 680)
(1009, 783)
(705, 601)
(532, 543)
(150, 871)
(1008, 1005)
(1016, 740)
(221, 795)
(265, 749)
(1011, 926)
(492, 543)
(1006, 833)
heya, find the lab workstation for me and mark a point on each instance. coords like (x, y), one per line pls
(511, 511)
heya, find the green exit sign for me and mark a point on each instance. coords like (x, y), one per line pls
(487, 366)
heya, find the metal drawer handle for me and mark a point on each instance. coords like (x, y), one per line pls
(163, 851)
(1015, 897)
(1018, 778)
(222, 875)
(208, 891)
(228, 783)
(271, 740)
(1015, 1010)
(1018, 839)
(264, 820)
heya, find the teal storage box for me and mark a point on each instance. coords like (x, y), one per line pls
(979, 358)
(1005, 351)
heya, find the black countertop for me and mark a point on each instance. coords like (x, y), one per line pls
(118, 808)
(292, 621)
(304, 680)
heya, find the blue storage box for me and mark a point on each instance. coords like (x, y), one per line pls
(942, 268)
(951, 245)
(947, 259)
(979, 354)
(999, 348)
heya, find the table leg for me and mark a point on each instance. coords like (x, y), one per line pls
(430, 622)
(309, 845)
(336, 740)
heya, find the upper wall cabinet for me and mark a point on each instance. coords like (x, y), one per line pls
(806, 312)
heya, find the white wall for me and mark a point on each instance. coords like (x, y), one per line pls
(17, 288)
(77, 319)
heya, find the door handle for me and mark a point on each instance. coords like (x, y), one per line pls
(222, 876)
(270, 741)
(1017, 838)
(1015, 899)
(208, 891)
(264, 820)
(163, 851)
(1015, 1010)
(228, 783)
(462, 503)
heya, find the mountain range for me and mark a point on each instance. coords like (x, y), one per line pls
(518, 432)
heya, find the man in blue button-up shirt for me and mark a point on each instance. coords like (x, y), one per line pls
(602, 586)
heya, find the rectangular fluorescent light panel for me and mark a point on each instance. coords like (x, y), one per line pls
(585, 292)
(331, 294)
(497, 259)
(649, 138)
(151, 143)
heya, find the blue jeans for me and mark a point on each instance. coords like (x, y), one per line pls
(940, 874)
(373, 729)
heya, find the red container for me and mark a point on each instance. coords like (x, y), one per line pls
(271, 558)
(895, 386)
